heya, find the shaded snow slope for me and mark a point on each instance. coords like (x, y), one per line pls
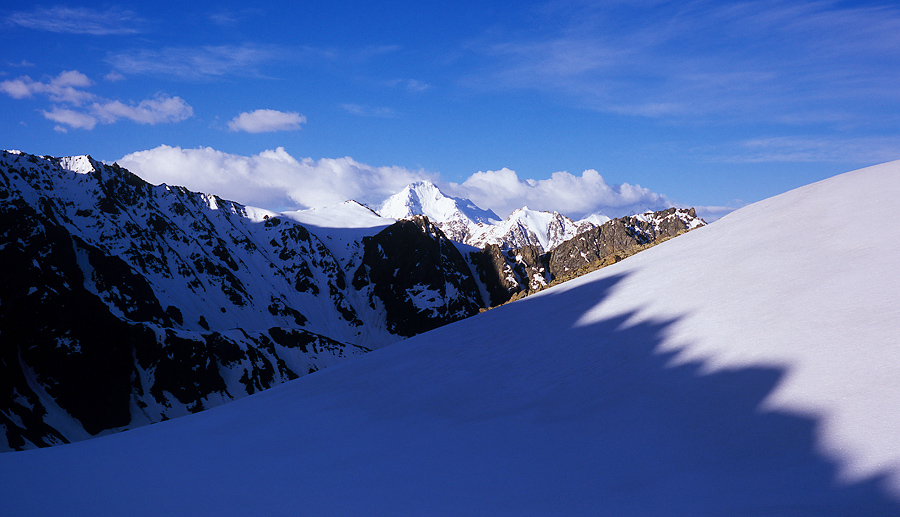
(748, 367)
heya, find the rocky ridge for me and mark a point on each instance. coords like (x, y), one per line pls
(124, 303)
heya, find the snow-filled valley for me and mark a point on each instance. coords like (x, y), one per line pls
(749, 367)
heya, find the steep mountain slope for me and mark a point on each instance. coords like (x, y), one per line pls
(748, 367)
(124, 303)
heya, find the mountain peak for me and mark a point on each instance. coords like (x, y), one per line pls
(457, 217)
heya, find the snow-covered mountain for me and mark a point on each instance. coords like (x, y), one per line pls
(458, 218)
(746, 368)
(124, 303)
(524, 227)
(464, 222)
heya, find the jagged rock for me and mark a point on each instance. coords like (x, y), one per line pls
(124, 303)
(618, 235)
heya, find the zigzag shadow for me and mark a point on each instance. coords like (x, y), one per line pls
(647, 437)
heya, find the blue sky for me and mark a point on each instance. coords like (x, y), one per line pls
(291, 105)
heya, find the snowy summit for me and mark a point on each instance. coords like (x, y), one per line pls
(456, 217)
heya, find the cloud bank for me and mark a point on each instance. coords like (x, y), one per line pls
(576, 196)
(271, 179)
(276, 180)
(266, 121)
(84, 110)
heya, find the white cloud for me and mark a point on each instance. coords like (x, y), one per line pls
(78, 20)
(411, 85)
(750, 60)
(274, 179)
(203, 62)
(114, 77)
(62, 88)
(73, 119)
(160, 109)
(271, 179)
(576, 196)
(68, 88)
(265, 121)
(812, 149)
(18, 88)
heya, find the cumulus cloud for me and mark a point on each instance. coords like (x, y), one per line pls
(276, 180)
(266, 121)
(576, 196)
(271, 179)
(73, 119)
(160, 109)
(63, 88)
(68, 88)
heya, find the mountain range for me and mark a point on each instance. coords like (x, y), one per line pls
(746, 368)
(124, 303)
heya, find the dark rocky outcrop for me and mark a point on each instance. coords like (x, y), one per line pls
(418, 276)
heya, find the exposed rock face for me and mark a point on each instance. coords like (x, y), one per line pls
(462, 221)
(496, 273)
(619, 235)
(418, 276)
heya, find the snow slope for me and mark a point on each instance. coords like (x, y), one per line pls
(749, 367)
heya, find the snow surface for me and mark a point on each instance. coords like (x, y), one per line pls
(749, 367)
